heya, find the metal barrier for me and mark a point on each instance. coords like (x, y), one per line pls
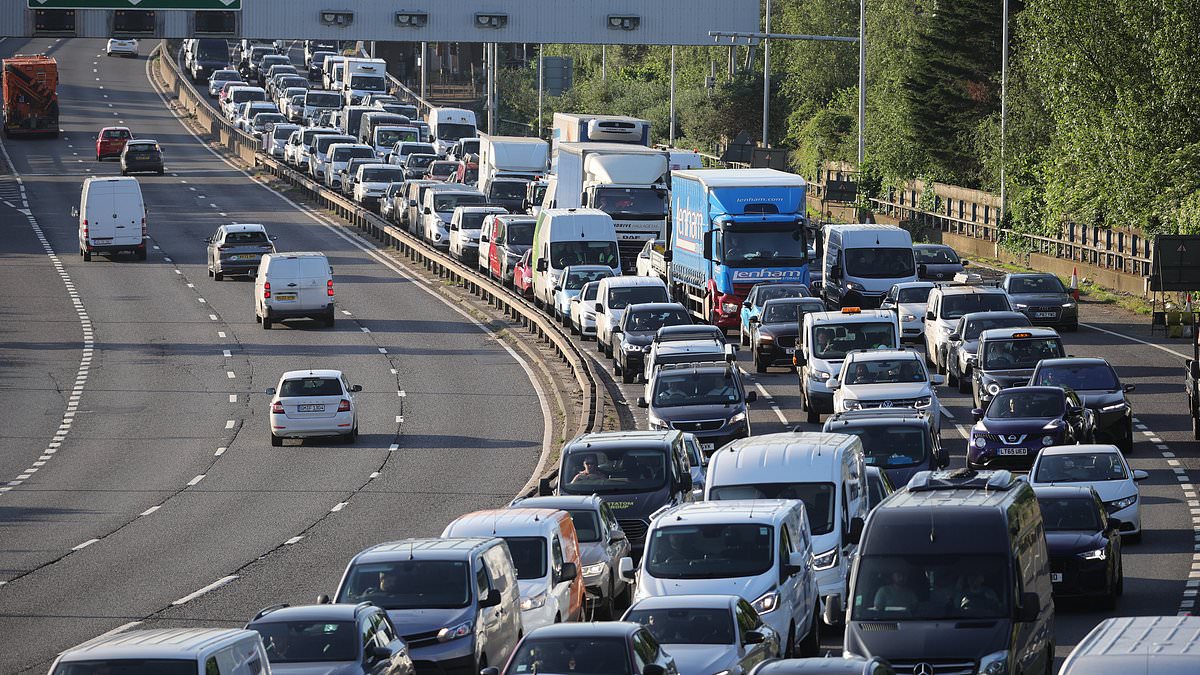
(512, 305)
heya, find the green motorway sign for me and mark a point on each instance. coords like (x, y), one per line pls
(136, 4)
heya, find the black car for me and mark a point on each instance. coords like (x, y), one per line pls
(773, 333)
(416, 164)
(898, 441)
(1021, 421)
(759, 294)
(963, 348)
(937, 262)
(141, 155)
(639, 324)
(609, 647)
(1100, 389)
(348, 639)
(824, 665)
(1084, 544)
(1007, 357)
(1044, 299)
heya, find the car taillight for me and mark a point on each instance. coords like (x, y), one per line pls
(344, 406)
(266, 290)
(143, 226)
(329, 288)
(277, 408)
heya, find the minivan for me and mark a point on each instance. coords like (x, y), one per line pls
(1137, 645)
(615, 294)
(759, 549)
(564, 237)
(291, 286)
(823, 470)
(455, 602)
(945, 306)
(862, 262)
(112, 217)
(953, 574)
(228, 651)
(545, 553)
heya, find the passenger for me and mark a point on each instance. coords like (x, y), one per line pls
(897, 595)
(909, 372)
(591, 470)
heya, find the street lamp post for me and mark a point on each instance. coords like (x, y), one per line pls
(1003, 109)
(766, 76)
(862, 79)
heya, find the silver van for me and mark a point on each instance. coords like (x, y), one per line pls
(1139, 645)
(173, 651)
(293, 286)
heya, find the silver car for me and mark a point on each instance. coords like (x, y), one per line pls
(707, 633)
(237, 249)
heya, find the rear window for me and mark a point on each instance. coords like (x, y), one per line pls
(141, 147)
(117, 133)
(246, 238)
(311, 386)
(128, 667)
(314, 267)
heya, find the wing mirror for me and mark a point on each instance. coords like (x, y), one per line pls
(977, 413)
(1030, 608)
(1128, 388)
(929, 316)
(1139, 475)
(964, 263)
(543, 265)
(753, 637)
(1114, 524)
(937, 380)
(922, 270)
(854, 533)
(322, 599)
(568, 572)
(642, 402)
(378, 653)
(270, 392)
(490, 670)
(492, 599)
(625, 568)
(795, 564)
(355, 388)
(751, 396)
(833, 383)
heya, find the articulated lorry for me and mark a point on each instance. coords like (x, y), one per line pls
(628, 182)
(30, 87)
(732, 229)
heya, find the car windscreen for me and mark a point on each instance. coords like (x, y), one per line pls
(1070, 514)
(649, 320)
(786, 311)
(710, 551)
(620, 297)
(1009, 405)
(639, 201)
(225, 76)
(587, 525)
(322, 143)
(685, 388)
(615, 469)
(954, 306)
(311, 386)
(409, 584)
(891, 446)
(976, 326)
(248, 95)
(1089, 467)
(885, 371)
(1040, 284)
(936, 255)
(575, 655)
(419, 161)
(588, 292)
(393, 136)
(520, 234)
(368, 83)
(773, 291)
(323, 99)
(128, 667)
(473, 220)
(817, 497)
(445, 203)
(507, 189)
(915, 295)
(565, 253)
(880, 263)
(690, 626)
(577, 278)
(442, 170)
(382, 175)
(931, 587)
(1080, 377)
(833, 342)
(1019, 353)
(308, 641)
(347, 154)
(528, 556)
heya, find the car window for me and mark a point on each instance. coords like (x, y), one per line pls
(211, 667)
(556, 554)
(311, 386)
(747, 618)
(1026, 405)
(1080, 468)
(644, 648)
(246, 238)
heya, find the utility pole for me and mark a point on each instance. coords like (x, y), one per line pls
(862, 79)
(604, 63)
(541, 86)
(424, 70)
(671, 137)
(1003, 110)
(766, 42)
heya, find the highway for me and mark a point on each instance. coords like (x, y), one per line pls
(165, 482)
(179, 365)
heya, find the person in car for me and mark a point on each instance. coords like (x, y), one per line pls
(862, 374)
(897, 595)
(977, 598)
(824, 338)
(591, 470)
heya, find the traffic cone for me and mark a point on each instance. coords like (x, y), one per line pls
(1075, 283)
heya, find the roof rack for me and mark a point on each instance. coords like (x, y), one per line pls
(961, 479)
(697, 364)
(267, 610)
(878, 413)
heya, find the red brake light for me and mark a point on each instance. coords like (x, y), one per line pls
(277, 408)
(266, 289)
(329, 287)
(344, 406)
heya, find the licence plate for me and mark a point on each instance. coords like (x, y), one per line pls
(789, 350)
(1056, 577)
(1013, 451)
(285, 296)
(316, 407)
(708, 447)
(1044, 315)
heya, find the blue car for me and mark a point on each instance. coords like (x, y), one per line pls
(759, 295)
(1020, 421)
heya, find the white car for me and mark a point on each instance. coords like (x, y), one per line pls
(313, 403)
(583, 311)
(245, 115)
(117, 46)
(1101, 467)
(886, 378)
(371, 181)
(573, 279)
(707, 633)
(466, 225)
(275, 141)
(908, 299)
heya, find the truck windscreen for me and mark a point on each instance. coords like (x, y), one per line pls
(880, 263)
(631, 202)
(447, 131)
(763, 248)
(368, 83)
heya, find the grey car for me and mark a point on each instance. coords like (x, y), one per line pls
(237, 249)
(707, 399)
(963, 345)
(602, 545)
(937, 262)
(348, 639)
(707, 633)
(1042, 297)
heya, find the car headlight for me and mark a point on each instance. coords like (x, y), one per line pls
(1068, 305)
(767, 602)
(631, 348)
(907, 317)
(823, 561)
(534, 602)
(992, 388)
(766, 338)
(593, 570)
(729, 307)
(924, 402)
(995, 663)
(738, 418)
(1098, 554)
(1047, 440)
(851, 403)
(947, 329)
(658, 424)
(1123, 503)
(852, 286)
(1119, 405)
(979, 442)
(818, 375)
(590, 315)
(454, 632)
(1020, 306)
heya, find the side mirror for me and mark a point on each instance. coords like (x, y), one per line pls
(412, 202)
(492, 599)
(543, 265)
(922, 270)
(667, 256)
(833, 383)
(1114, 524)
(378, 653)
(955, 337)
(753, 637)
(544, 487)
(616, 535)
(490, 670)
(427, 210)
(270, 392)
(943, 459)
(1128, 388)
(816, 286)
(854, 533)
(794, 566)
(642, 402)
(355, 388)
(937, 380)
(977, 413)
(1030, 608)
(599, 307)
(965, 262)
(833, 610)
(625, 568)
(322, 599)
(483, 237)
(929, 316)
(653, 669)
(568, 572)
(835, 272)
(1139, 475)
(755, 319)
(746, 304)
(273, 237)
(751, 396)
(454, 226)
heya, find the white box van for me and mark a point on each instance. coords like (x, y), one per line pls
(112, 217)
(862, 262)
(564, 237)
(823, 470)
(545, 552)
(614, 295)
(228, 651)
(293, 285)
(759, 549)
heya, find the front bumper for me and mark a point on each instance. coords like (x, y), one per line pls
(115, 248)
(456, 657)
(1114, 427)
(1080, 578)
(587, 326)
(633, 361)
(312, 427)
(820, 397)
(775, 354)
(912, 331)
(988, 457)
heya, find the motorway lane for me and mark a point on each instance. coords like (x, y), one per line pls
(171, 398)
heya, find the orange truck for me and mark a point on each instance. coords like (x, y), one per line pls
(30, 86)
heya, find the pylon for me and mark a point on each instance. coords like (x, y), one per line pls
(1075, 283)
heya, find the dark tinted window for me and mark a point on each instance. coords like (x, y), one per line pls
(931, 587)
(938, 255)
(692, 626)
(409, 584)
(1040, 284)
(1019, 353)
(954, 306)
(308, 641)
(772, 291)
(311, 386)
(576, 655)
(621, 297)
(617, 469)
(1026, 405)
(817, 498)
(587, 525)
(976, 326)
(891, 447)
(576, 278)
(1078, 376)
(1080, 468)
(1065, 514)
(528, 555)
(507, 190)
(520, 234)
(246, 238)
(652, 320)
(879, 263)
(129, 667)
(710, 551)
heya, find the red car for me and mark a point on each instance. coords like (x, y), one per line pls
(523, 275)
(111, 142)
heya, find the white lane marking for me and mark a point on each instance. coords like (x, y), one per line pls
(220, 451)
(382, 350)
(233, 398)
(209, 588)
(1138, 340)
(212, 317)
(771, 402)
(226, 353)
(963, 431)
(196, 480)
(946, 411)
(393, 447)
(373, 476)
(229, 424)
(293, 540)
(338, 507)
(84, 545)
(345, 312)
(365, 329)
(119, 629)
(150, 510)
(221, 334)
(230, 374)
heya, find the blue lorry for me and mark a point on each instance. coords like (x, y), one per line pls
(732, 229)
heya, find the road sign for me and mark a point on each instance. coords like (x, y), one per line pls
(198, 5)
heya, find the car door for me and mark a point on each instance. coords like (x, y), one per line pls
(499, 251)
(792, 588)
(746, 620)
(314, 273)
(932, 309)
(214, 242)
(561, 589)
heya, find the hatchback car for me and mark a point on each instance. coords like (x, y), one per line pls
(1102, 468)
(758, 296)
(774, 332)
(347, 639)
(1083, 543)
(1043, 298)
(237, 249)
(1099, 388)
(707, 633)
(523, 276)
(110, 142)
(962, 351)
(1021, 421)
(142, 155)
(707, 399)
(122, 47)
(313, 403)
(583, 311)
(572, 280)
(608, 648)
(937, 262)
(639, 324)
(218, 79)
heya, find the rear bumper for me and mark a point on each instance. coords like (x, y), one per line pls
(275, 312)
(312, 427)
(116, 248)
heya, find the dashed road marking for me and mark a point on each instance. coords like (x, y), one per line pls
(84, 545)
(196, 480)
(293, 540)
(338, 507)
(150, 510)
(207, 589)
(229, 424)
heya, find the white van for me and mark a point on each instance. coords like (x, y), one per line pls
(759, 549)
(112, 217)
(545, 552)
(614, 295)
(826, 338)
(564, 237)
(823, 470)
(450, 125)
(1139, 645)
(229, 651)
(293, 285)
(862, 262)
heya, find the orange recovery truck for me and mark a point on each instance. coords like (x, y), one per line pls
(30, 95)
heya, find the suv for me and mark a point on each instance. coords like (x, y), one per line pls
(639, 324)
(1099, 387)
(1007, 356)
(898, 441)
(1043, 298)
(681, 344)
(886, 378)
(1021, 421)
(962, 350)
(351, 639)
(705, 399)
(945, 306)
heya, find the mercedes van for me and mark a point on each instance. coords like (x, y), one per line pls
(862, 262)
(112, 217)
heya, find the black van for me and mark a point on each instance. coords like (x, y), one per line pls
(635, 472)
(208, 54)
(953, 576)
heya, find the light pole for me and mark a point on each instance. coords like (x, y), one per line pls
(766, 76)
(1003, 109)
(862, 79)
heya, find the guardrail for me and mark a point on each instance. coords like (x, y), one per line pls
(197, 106)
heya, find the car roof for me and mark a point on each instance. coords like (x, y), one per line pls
(609, 439)
(1027, 275)
(854, 665)
(429, 548)
(114, 128)
(1082, 449)
(707, 601)
(1074, 360)
(154, 643)
(969, 289)
(579, 629)
(654, 306)
(583, 268)
(146, 141)
(881, 355)
(777, 284)
(561, 502)
(793, 301)
(244, 227)
(797, 452)
(1130, 644)
(993, 314)
(633, 281)
(1007, 333)
(517, 521)
(928, 246)
(915, 284)
(699, 367)
(298, 374)
(730, 511)
(1033, 390)
(878, 417)
(328, 612)
(1061, 491)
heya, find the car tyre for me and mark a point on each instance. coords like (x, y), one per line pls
(350, 438)
(759, 366)
(628, 376)
(810, 646)
(789, 652)
(276, 441)
(743, 338)
(140, 253)
(219, 276)
(87, 256)
(964, 385)
(813, 417)
(266, 322)
(1126, 443)
(330, 319)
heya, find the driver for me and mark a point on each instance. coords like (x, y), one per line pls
(977, 598)
(591, 470)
